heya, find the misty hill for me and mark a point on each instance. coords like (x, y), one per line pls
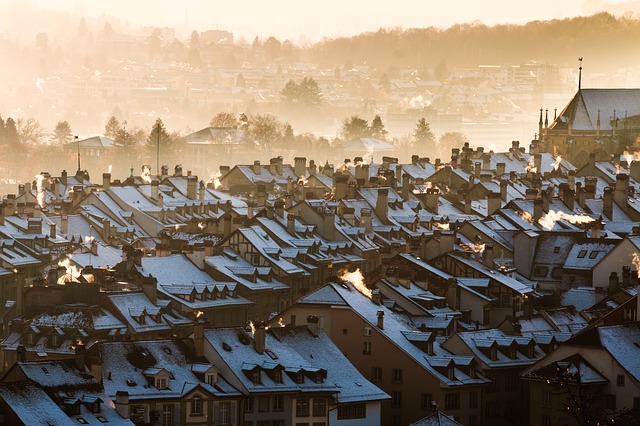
(606, 42)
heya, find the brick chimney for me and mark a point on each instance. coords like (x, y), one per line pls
(192, 187)
(365, 217)
(537, 209)
(259, 338)
(341, 184)
(79, 358)
(621, 190)
(488, 255)
(380, 322)
(500, 169)
(256, 167)
(300, 166)
(154, 189)
(198, 337)
(494, 202)
(376, 297)
(177, 170)
(106, 180)
(122, 403)
(382, 205)
(607, 202)
(313, 323)
(569, 199)
(432, 199)
(291, 223)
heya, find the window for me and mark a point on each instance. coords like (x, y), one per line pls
(397, 399)
(255, 377)
(319, 407)
(426, 401)
(546, 398)
(546, 421)
(167, 415)
(225, 413)
(278, 403)
(556, 272)
(293, 320)
(161, 383)
(594, 254)
(366, 348)
(319, 424)
(344, 331)
(540, 271)
(581, 254)
(263, 403)
(196, 406)
(302, 407)
(396, 375)
(277, 376)
(452, 401)
(556, 249)
(473, 400)
(492, 409)
(620, 380)
(396, 421)
(210, 378)
(376, 374)
(248, 405)
(367, 331)
(352, 411)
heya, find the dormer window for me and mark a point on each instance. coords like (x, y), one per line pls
(210, 378)
(318, 377)
(472, 371)
(530, 351)
(493, 354)
(277, 376)
(430, 347)
(450, 373)
(512, 353)
(299, 378)
(161, 383)
(255, 377)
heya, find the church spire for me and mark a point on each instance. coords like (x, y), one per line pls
(580, 75)
(540, 123)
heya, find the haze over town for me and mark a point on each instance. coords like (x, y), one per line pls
(345, 213)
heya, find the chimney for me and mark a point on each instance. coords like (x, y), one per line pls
(571, 179)
(596, 225)
(64, 225)
(261, 194)
(177, 170)
(341, 186)
(406, 186)
(79, 356)
(2, 207)
(568, 197)
(63, 178)
(487, 255)
(614, 284)
(380, 315)
(201, 194)
(150, 288)
(154, 189)
(259, 338)
(432, 199)
(291, 223)
(501, 168)
(279, 166)
(256, 167)
(622, 189)
(198, 337)
(494, 202)
(607, 202)
(192, 186)
(382, 205)
(537, 209)
(546, 199)
(329, 225)
(278, 207)
(365, 216)
(634, 170)
(313, 323)
(21, 353)
(581, 196)
(503, 189)
(122, 403)
(376, 297)
(312, 167)
(626, 275)
(106, 181)
(164, 172)
(300, 166)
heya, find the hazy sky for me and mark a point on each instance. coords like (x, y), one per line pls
(317, 19)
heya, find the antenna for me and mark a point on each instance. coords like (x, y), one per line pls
(580, 74)
(158, 150)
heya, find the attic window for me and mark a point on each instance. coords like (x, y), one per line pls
(131, 382)
(271, 354)
(82, 421)
(166, 350)
(226, 347)
(161, 383)
(556, 249)
(593, 254)
(582, 254)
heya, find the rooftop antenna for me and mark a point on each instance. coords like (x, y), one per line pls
(580, 74)
(158, 150)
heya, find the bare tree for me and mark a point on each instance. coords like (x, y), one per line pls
(30, 131)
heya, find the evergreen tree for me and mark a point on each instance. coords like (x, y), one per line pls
(159, 134)
(11, 136)
(423, 137)
(355, 127)
(112, 127)
(1, 131)
(62, 133)
(377, 128)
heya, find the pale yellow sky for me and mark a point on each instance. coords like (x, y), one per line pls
(327, 18)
